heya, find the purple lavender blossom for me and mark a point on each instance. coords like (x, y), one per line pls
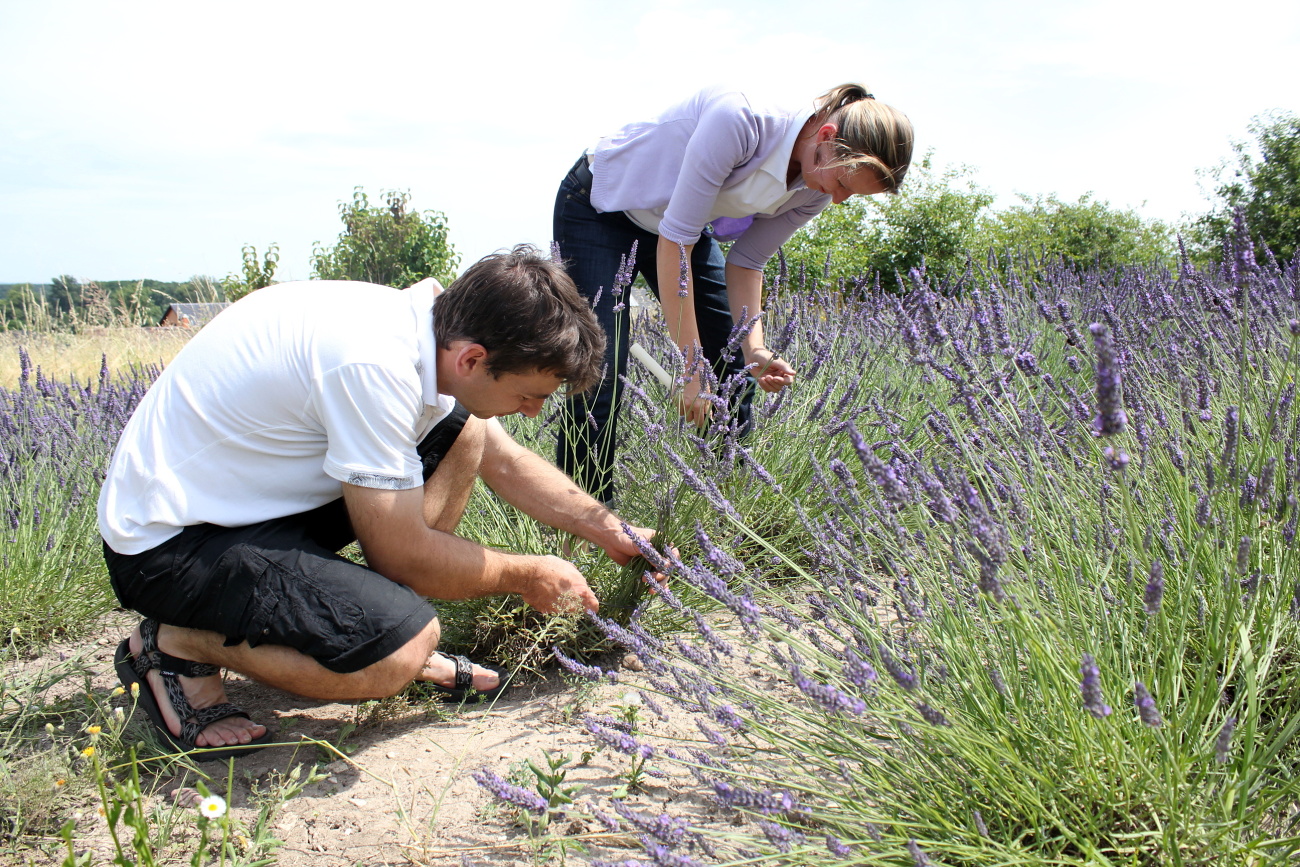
(1223, 743)
(1265, 487)
(894, 490)
(1231, 425)
(779, 836)
(1203, 511)
(610, 823)
(665, 857)
(1249, 492)
(918, 856)
(858, 671)
(902, 676)
(1090, 686)
(1243, 555)
(1155, 589)
(683, 280)
(830, 698)
(713, 737)
(1118, 461)
(931, 715)
(663, 827)
(1110, 414)
(980, 827)
(617, 740)
(590, 672)
(511, 794)
(1146, 706)
(769, 803)
(836, 848)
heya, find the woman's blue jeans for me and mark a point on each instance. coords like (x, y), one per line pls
(593, 246)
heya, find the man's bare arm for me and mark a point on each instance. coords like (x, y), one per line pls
(401, 547)
(538, 488)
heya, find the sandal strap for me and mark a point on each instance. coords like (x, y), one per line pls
(150, 657)
(202, 718)
(464, 670)
(194, 720)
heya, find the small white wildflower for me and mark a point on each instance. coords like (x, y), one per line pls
(212, 807)
(630, 699)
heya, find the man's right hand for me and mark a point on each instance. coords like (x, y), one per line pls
(557, 586)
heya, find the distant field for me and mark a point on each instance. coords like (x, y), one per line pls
(61, 355)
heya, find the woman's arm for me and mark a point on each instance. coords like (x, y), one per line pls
(677, 296)
(745, 297)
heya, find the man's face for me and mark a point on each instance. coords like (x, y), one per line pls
(488, 396)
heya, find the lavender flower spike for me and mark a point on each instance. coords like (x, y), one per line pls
(511, 794)
(1110, 414)
(1155, 589)
(1223, 743)
(1146, 706)
(902, 676)
(1090, 686)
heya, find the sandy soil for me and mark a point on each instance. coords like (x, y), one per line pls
(397, 787)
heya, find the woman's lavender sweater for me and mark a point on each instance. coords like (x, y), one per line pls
(684, 158)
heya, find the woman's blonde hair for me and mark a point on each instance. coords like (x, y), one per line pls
(871, 135)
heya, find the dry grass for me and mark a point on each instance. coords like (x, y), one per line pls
(64, 355)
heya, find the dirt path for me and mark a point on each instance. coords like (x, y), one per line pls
(397, 786)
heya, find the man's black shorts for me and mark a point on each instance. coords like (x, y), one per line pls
(282, 581)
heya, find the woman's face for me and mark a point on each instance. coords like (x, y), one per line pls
(838, 182)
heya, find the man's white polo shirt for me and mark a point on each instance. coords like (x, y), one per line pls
(282, 397)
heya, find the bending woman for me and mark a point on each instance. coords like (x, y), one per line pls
(721, 166)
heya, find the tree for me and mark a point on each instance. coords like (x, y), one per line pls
(1083, 234)
(1265, 183)
(389, 245)
(932, 221)
(64, 294)
(256, 274)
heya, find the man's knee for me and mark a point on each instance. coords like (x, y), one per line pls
(394, 672)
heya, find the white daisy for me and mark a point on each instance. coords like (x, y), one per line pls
(212, 807)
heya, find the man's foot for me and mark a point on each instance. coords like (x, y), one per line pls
(441, 669)
(460, 679)
(185, 698)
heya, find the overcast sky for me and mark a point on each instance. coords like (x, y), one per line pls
(154, 139)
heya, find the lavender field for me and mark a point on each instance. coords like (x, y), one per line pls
(1008, 578)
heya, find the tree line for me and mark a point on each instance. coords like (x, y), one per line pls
(942, 223)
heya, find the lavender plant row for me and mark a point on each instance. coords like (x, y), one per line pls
(1021, 563)
(55, 440)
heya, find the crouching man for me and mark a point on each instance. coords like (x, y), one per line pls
(312, 414)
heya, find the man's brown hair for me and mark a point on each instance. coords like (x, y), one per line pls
(525, 311)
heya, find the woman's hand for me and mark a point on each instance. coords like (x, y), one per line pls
(693, 405)
(771, 370)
